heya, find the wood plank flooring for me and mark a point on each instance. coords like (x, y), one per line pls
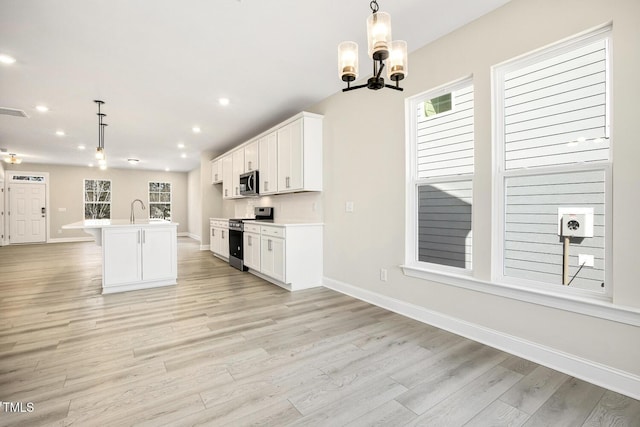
(226, 348)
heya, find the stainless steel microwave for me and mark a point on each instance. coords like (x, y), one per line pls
(249, 184)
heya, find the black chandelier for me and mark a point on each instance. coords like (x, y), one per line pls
(100, 154)
(381, 48)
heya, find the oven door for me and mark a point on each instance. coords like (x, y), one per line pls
(235, 250)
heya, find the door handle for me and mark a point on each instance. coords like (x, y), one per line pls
(43, 211)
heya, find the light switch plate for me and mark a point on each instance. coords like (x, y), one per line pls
(348, 207)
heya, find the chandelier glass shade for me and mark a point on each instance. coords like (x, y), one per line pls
(13, 159)
(381, 48)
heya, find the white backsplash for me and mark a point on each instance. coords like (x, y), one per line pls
(286, 207)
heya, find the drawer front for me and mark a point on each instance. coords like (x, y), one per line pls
(252, 228)
(219, 223)
(273, 231)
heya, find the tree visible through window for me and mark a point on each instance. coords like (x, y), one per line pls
(160, 200)
(97, 199)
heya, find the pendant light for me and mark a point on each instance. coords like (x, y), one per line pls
(13, 159)
(100, 154)
(381, 48)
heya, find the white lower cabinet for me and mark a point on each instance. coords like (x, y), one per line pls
(290, 255)
(251, 247)
(273, 257)
(138, 257)
(219, 237)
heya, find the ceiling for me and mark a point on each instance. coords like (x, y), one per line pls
(161, 66)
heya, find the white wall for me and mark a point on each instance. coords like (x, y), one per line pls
(66, 185)
(305, 207)
(194, 203)
(364, 142)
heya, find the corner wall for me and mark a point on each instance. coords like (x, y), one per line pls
(364, 158)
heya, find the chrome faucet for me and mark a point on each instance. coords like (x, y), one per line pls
(132, 219)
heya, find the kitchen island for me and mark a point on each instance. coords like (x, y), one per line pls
(137, 255)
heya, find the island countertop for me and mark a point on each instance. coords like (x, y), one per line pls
(105, 223)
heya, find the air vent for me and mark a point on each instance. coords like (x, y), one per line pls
(13, 112)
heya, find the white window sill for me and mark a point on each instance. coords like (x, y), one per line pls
(584, 305)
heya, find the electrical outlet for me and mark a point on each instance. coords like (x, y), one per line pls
(587, 260)
(383, 274)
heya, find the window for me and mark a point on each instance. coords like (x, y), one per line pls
(160, 200)
(97, 199)
(440, 186)
(552, 165)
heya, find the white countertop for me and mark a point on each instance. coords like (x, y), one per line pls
(283, 223)
(106, 223)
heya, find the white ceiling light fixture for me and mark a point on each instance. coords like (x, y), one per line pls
(133, 161)
(13, 159)
(81, 147)
(42, 108)
(223, 101)
(180, 145)
(6, 59)
(183, 155)
(380, 49)
(195, 129)
(60, 132)
(100, 154)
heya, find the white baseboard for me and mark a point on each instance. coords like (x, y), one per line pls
(205, 247)
(614, 379)
(71, 239)
(187, 234)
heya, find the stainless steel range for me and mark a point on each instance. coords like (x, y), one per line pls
(236, 229)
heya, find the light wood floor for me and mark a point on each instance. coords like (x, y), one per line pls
(226, 348)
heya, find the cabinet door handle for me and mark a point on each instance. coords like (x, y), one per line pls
(216, 177)
(223, 234)
(248, 240)
(138, 233)
(213, 232)
(226, 192)
(266, 186)
(250, 169)
(269, 244)
(144, 236)
(287, 180)
(236, 191)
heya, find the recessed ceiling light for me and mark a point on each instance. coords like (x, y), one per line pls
(223, 101)
(133, 161)
(195, 129)
(42, 108)
(183, 155)
(81, 147)
(90, 165)
(180, 145)
(60, 132)
(6, 59)
(103, 167)
(167, 169)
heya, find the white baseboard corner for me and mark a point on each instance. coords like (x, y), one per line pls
(71, 239)
(604, 376)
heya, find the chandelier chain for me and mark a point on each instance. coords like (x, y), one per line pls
(374, 6)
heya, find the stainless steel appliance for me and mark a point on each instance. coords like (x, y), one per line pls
(236, 229)
(249, 184)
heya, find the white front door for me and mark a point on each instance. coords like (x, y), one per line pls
(27, 215)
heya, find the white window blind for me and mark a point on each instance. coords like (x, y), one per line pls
(555, 110)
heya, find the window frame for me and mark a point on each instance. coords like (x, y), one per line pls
(170, 203)
(412, 184)
(84, 197)
(501, 174)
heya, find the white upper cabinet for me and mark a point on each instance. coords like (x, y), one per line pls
(227, 176)
(287, 156)
(251, 156)
(238, 168)
(300, 155)
(268, 152)
(216, 171)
